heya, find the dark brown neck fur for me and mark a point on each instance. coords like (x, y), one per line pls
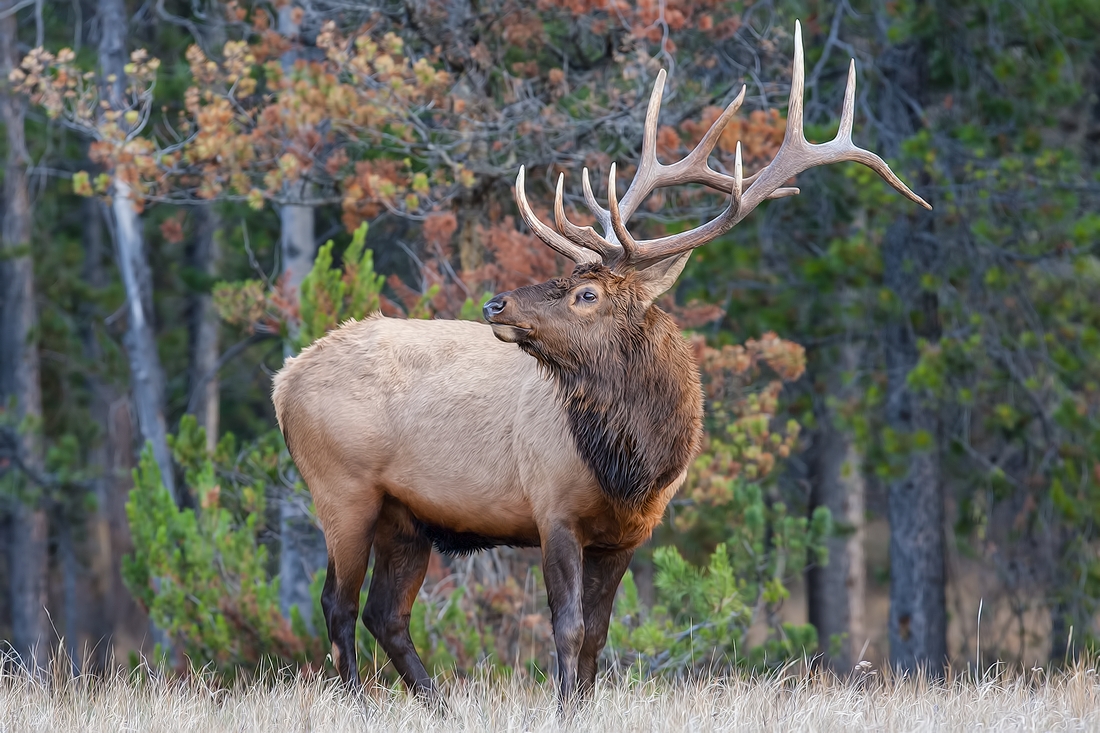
(635, 408)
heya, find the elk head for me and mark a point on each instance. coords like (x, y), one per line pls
(617, 277)
(570, 321)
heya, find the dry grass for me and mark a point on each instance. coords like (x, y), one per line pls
(1069, 701)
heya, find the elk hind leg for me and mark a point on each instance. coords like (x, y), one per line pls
(348, 536)
(602, 574)
(401, 554)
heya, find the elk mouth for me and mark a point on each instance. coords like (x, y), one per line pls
(509, 333)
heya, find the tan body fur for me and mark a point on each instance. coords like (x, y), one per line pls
(460, 428)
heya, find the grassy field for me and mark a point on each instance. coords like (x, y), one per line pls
(1032, 701)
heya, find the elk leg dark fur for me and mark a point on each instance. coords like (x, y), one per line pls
(400, 562)
(340, 604)
(562, 561)
(348, 537)
(602, 574)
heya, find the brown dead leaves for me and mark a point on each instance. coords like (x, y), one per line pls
(249, 127)
(66, 91)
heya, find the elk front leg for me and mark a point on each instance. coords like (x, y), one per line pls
(602, 574)
(562, 559)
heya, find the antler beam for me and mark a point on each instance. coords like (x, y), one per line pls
(619, 250)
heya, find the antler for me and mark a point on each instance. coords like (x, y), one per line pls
(619, 250)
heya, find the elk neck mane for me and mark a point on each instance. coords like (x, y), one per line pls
(635, 408)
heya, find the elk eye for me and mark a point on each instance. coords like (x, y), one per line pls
(588, 296)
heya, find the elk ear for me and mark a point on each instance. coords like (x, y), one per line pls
(659, 277)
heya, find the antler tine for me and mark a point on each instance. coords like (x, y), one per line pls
(618, 223)
(584, 236)
(652, 111)
(845, 146)
(648, 175)
(554, 240)
(848, 112)
(602, 214)
(737, 171)
(795, 135)
(714, 133)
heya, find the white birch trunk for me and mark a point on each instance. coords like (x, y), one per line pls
(146, 375)
(302, 550)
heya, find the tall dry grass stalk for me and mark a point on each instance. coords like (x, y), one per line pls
(789, 701)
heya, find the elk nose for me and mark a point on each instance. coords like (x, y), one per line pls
(493, 307)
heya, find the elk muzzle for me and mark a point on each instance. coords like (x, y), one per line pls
(494, 306)
(497, 313)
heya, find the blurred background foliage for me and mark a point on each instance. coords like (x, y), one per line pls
(902, 407)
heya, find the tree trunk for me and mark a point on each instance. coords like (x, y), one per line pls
(836, 591)
(70, 590)
(1070, 622)
(101, 558)
(1064, 644)
(146, 374)
(31, 637)
(129, 621)
(203, 257)
(302, 549)
(5, 570)
(19, 374)
(918, 612)
(110, 611)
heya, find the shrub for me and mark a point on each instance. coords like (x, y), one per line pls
(703, 615)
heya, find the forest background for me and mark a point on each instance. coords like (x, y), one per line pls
(902, 460)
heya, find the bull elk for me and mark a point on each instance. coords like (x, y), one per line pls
(567, 423)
